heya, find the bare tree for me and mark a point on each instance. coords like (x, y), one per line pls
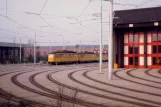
(72, 95)
(30, 50)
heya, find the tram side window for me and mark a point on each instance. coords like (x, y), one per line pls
(154, 49)
(61, 55)
(130, 50)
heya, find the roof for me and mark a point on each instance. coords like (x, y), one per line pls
(5, 44)
(76, 46)
(62, 51)
(138, 15)
(86, 52)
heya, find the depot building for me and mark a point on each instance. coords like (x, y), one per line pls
(137, 38)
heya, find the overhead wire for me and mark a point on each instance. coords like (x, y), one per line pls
(84, 9)
(93, 19)
(48, 23)
(144, 3)
(124, 4)
(134, 5)
(26, 26)
(21, 24)
(6, 9)
(66, 17)
(43, 6)
(41, 18)
(11, 31)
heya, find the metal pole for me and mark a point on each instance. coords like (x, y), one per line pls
(74, 48)
(50, 46)
(6, 9)
(63, 43)
(110, 57)
(100, 71)
(80, 46)
(20, 50)
(35, 49)
(83, 47)
(91, 46)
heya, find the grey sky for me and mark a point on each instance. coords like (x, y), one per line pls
(59, 18)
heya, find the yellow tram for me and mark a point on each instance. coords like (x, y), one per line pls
(73, 57)
(62, 57)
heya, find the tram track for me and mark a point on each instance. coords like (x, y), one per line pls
(116, 86)
(65, 97)
(99, 95)
(125, 88)
(53, 95)
(6, 95)
(159, 72)
(116, 74)
(116, 99)
(129, 73)
(147, 73)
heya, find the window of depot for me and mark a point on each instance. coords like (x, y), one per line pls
(154, 50)
(159, 37)
(131, 38)
(130, 60)
(154, 37)
(136, 38)
(136, 49)
(130, 49)
(159, 49)
(154, 59)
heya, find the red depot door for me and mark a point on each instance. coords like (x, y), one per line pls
(134, 57)
(156, 49)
